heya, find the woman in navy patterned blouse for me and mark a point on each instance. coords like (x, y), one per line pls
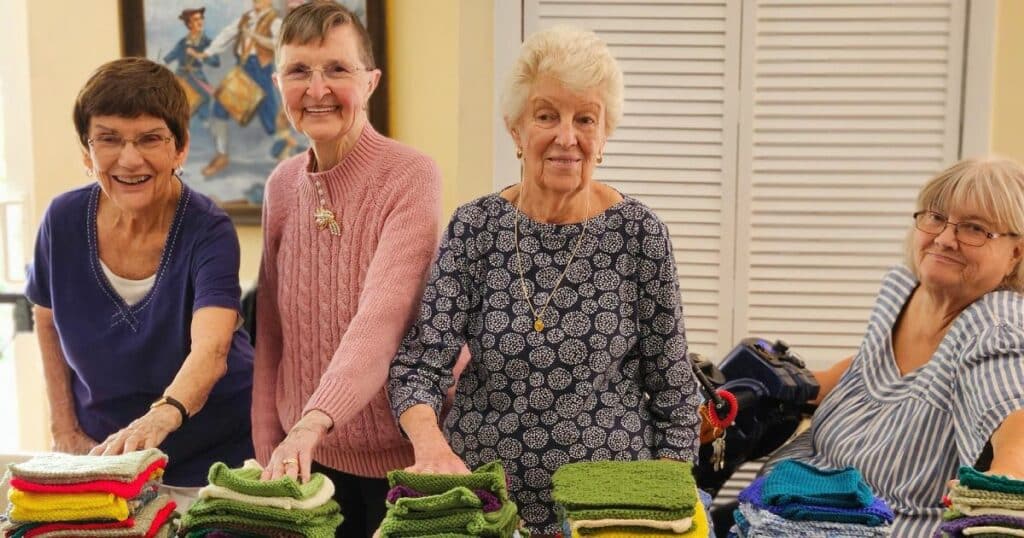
(940, 372)
(565, 291)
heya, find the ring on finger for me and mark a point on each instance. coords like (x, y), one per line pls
(289, 461)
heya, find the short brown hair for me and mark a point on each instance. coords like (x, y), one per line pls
(132, 87)
(312, 22)
(186, 14)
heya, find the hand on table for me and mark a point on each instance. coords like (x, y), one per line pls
(147, 431)
(438, 459)
(294, 456)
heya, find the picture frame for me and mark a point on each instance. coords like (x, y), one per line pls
(234, 120)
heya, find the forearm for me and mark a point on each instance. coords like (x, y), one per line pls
(207, 361)
(56, 374)
(1008, 447)
(828, 379)
(419, 423)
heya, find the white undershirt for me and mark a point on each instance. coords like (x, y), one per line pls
(132, 291)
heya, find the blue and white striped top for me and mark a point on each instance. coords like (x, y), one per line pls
(908, 434)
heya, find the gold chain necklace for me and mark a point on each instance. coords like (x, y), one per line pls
(538, 323)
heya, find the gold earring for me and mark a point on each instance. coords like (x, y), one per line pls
(519, 153)
(88, 172)
(600, 158)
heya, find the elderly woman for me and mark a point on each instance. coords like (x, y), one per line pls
(349, 231)
(940, 372)
(565, 291)
(135, 287)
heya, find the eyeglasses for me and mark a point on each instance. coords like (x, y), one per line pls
(968, 233)
(112, 144)
(299, 74)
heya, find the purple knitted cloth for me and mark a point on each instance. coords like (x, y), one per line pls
(490, 501)
(877, 513)
(955, 527)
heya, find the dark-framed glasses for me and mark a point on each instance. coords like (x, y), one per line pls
(967, 232)
(111, 144)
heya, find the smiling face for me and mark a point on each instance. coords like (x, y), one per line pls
(325, 87)
(561, 134)
(960, 270)
(133, 177)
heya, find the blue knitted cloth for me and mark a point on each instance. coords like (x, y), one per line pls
(878, 513)
(793, 481)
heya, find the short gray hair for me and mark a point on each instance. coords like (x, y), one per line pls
(995, 185)
(575, 57)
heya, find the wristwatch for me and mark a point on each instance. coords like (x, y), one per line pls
(167, 400)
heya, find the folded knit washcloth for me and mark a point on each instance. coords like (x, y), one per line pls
(498, 524)
(455, 500)
(795, 481)
(126, 489)
(46, 507)
(316, 522)
(974, 498)
(959, 510)
(677, 526)
(993, 530)
(321, 528)
(877, 514)
(955, 527)
(650, 489)
(489, 477)
(147, 524)
(57, 468)
(239, 531)
(246, 480)
(324, 494)
(490, 501)
(764, 524)
(696, 527)
(975, 479)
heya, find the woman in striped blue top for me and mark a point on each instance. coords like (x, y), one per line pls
(940, 372)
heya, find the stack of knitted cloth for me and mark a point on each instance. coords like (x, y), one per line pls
(797, 499)
(611, 499)
(64, 495)
(448, 505)
(984, 505)
(237, 503)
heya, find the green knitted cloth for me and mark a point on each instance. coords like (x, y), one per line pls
(318, 529)
(453, 501)
(977, 480)
(242, 531)
(974, 498)
(500, 523)
(246, 480)
(489, 476)
(648, 489)
(210, 512)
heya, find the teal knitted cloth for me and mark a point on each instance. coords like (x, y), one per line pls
(977, 480)
(793, 481)
(246, 480)
(649, 489)
(453, 501)
(500, 523)
(489, 476)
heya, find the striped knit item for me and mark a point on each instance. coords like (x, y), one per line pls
(651, 489)
(332, 310)
(975, 479)
(148, 523)
(47, 507)
(58, 468)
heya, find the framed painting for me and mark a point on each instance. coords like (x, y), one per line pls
(238, 130)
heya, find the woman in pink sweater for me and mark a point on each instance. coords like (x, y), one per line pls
(350, 228)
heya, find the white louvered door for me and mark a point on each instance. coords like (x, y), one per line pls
(783, 141)
(675, 148)
(848, 108)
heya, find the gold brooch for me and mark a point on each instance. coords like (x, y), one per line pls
(325, 221)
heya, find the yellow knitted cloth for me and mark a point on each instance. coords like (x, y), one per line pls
(50, 507)
(698, 530)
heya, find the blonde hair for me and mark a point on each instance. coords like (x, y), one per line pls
(577, 58)
(994, 185)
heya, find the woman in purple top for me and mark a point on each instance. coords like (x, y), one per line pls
(135, 287)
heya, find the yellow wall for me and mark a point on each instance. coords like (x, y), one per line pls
(1008, 92)
(440, 69)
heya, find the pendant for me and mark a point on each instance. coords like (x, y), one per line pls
(325, 220)
(538, 325)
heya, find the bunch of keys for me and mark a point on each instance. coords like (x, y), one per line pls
(718, 453)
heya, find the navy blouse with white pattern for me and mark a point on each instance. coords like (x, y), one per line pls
(607, 378)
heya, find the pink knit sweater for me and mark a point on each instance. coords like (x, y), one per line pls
(332, 310)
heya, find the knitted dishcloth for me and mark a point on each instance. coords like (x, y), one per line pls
(121, 489)
(148, 523)
(498, 524)
(319, 498)
(697, 527)
(48, 507)
(977, 480)
(877, 514)
(246, 480)
(973, 498)
(963, 510)
(489, 476)
(57, 468)
(320, 515)
(997, 531)
(795, 481)
(453, 501)
(490, 502)
(648, 489)
(588, 526)
(955, 527)
(764, 524)
(246, 531)
(320, 528)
